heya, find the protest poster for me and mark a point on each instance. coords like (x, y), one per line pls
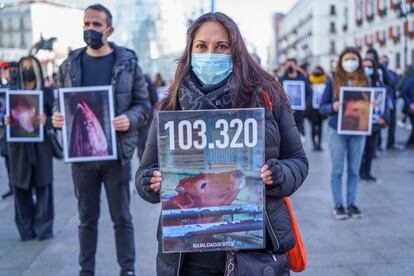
(317, 90)
(212, 195)
(355, 110)
(295, 91)
(24, 107)
(88, 134)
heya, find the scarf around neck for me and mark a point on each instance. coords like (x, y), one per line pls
(192, 97)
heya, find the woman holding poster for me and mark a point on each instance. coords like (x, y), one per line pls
(349, 72)
(379, 120)
(31, 165)
(217, 72)
(318, 80)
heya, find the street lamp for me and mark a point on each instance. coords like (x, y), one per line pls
(404, 14)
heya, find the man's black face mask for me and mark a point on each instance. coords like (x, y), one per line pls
(93, 39)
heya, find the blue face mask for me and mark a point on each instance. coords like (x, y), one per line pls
(369, 71)
(211, 69)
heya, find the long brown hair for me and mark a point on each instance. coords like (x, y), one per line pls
(341, 77)
(247, 75)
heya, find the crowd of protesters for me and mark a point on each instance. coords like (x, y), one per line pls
(212, 39)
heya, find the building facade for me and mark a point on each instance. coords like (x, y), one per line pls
(24, 23)
(316, 31)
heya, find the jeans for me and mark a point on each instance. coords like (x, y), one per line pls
(350, 147)
(88, 179)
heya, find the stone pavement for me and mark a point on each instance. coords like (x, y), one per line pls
(379, 244)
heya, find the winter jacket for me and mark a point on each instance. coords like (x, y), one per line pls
(407, 93)
(283, 143)
(326, 107)
(130, 93)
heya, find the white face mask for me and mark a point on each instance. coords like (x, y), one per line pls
(350, 65)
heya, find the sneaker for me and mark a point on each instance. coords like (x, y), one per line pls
(339, 212)
(7, 194)
(370, 178)
(354, 212)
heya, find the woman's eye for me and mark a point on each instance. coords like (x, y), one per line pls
(200, 46)
(203, 185)
(222, 46)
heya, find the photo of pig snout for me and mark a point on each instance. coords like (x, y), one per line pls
(207, 189)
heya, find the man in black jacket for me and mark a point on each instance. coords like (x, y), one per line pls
(104, 63)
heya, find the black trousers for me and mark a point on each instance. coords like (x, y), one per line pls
(34, 215)
(391, 128)
(300, 121)
(369, 152)
(410, 141)
(317, 134)
(88, 179)
(7, 163)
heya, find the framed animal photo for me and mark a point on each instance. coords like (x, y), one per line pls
(380, 98)
(212, 195)
(355, 110)
(24, 108)
(3, 93)
(317, 90)
(87, 131)
(295, 91)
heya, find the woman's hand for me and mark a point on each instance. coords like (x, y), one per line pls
(335, 106)
(272, 172)
(151, 180)
(42, 119)
(6, 120)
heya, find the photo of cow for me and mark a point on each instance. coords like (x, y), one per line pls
(212, 197)
(87, 132)
(24, 109)
(355, 110)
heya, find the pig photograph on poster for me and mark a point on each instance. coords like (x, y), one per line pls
(295, 91)
(355, 110)
(2, 106)
(87, 131)
(212, 195)
(24, 107)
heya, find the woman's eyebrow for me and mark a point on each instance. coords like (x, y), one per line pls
(201, 41)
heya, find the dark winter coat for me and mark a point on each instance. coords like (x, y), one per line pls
(31, 164)
(283, 143)
(130, 93)
(407, 93)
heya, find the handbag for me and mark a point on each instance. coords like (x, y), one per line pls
(297, 255)
(256, 263)
(57, 150)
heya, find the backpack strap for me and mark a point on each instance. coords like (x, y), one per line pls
(267, 100)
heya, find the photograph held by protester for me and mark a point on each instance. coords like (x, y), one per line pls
(31, 166)
(292, 72)
(371, 143)
(349, 72)
(230, 79)
(104, 63)
(316, 119)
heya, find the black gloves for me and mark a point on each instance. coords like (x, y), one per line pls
(146, 179)
(277, 171)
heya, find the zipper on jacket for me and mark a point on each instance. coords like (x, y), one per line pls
(179, 265)
(272, 232)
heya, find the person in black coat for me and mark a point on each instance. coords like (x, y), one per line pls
(371, 142)
(238, 84)
(292, 72)
(31, 165)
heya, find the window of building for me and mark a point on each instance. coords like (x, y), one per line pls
(332, 47)
(332, 28)
(398, 60)
(332, 10)
(412, 56)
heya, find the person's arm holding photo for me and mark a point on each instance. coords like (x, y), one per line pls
(328, 106)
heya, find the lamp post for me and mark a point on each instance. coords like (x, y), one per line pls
(404, 14)
(213, 2)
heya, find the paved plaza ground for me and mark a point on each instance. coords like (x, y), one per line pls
(379, 244)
